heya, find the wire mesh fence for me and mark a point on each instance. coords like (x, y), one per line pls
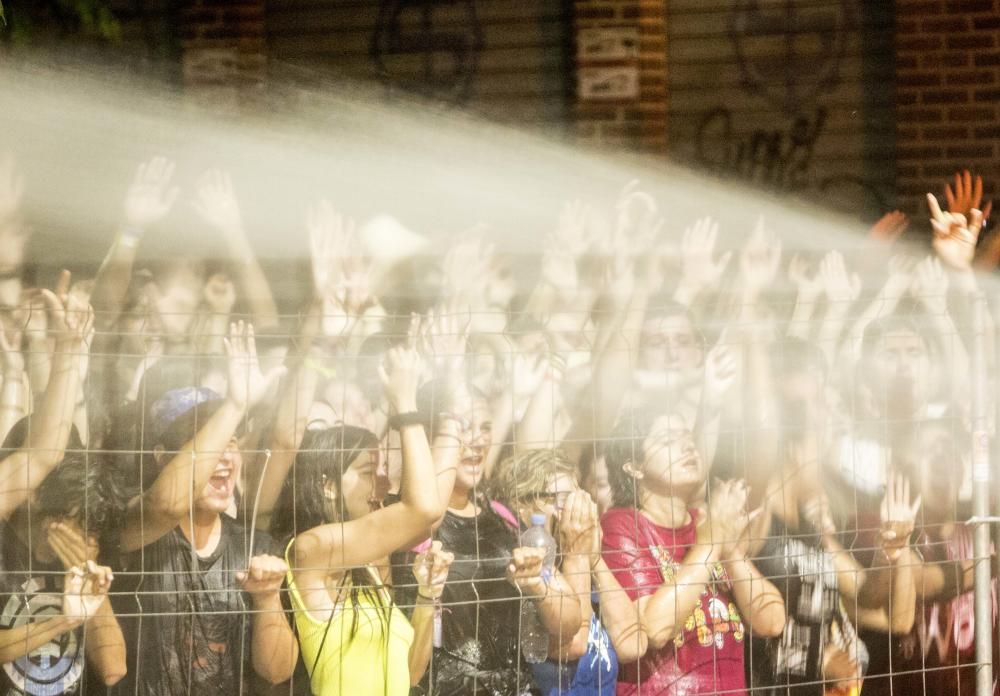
(665, 468)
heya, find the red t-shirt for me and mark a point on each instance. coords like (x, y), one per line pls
(707, 656)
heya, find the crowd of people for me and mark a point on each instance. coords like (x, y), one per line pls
(205, 492)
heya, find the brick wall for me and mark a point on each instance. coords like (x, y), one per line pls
(638, 123)
(947, 94)
(224, 54)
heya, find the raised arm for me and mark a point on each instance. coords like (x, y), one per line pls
(22, 471)
(148, 200)
(217, 204)
(168, 501)
(807, 292)
(291, 419)
(887, 603)
(374, 536)
(445, 337)
(757, 598)
(699, 271)
(14, 392)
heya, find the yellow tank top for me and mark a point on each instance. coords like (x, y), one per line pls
(368, 663)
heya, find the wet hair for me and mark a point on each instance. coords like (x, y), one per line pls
(524, 477)
(323, 457)
(626, 444)
(87, 489)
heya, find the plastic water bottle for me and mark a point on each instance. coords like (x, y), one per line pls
(534, 637)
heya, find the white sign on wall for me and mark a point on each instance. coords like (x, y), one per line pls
(608, 43)
(610, 83)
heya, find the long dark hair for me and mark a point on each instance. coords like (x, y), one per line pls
(323, 458)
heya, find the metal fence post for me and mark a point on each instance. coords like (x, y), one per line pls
(981, 503)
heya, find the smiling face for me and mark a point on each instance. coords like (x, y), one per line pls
(363, 486)
(477, 435)
(217, 495)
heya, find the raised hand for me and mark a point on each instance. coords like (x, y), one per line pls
(889, 227)
(215, 201)
(400, 372)
(840, 288)
(967, 195)
(247, 384)
(341, 275)
(698, 268)
(150, 197)
(720, 374)
(759, 260)
(84, 590)
(11, 188)
(430, 569)
(564, 247)
(579, 527)
(807, 288)
(728, 518)
(69, 318)
(466, 267)
(263, 579)
(72, 548)
(898, 516)
(443, 337)
(525, 570)
(930, 285)
(955, 235)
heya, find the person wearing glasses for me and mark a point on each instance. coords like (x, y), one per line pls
(584, 663)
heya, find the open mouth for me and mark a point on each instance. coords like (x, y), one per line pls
(472, 463)
(222, 480)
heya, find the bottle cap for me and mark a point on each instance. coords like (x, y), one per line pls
(538, 520)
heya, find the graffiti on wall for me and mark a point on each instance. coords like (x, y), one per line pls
(791, 56)
(446, 51)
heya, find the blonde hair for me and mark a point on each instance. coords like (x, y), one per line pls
(525, 476)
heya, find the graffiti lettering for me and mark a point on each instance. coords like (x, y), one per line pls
(775, 158)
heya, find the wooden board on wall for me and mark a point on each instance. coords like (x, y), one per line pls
(504, 59)
(789, 95)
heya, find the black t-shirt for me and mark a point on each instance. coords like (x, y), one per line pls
(805, 575)
(479, 653)
(27, 596)
(186, 619)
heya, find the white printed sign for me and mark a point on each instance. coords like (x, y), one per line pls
(610, 83)
(608, 43)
